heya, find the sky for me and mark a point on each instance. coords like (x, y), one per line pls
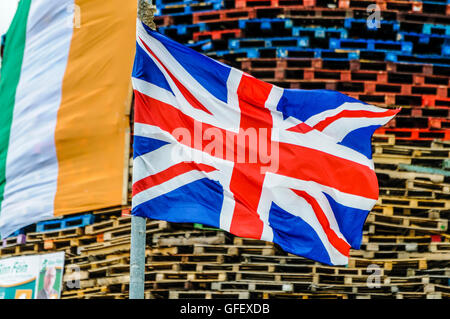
(7, 10)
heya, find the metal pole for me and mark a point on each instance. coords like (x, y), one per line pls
(138, 224)
(137, 257)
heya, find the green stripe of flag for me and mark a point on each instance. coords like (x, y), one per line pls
(9, 80)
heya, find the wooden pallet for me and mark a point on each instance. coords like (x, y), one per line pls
(408, 222)
(108, 225)
(13, 241)
(253, 286)
(188, 238)
(419, 295)
(234, 249)
(389, 264)
(413, 203)
(17, 250)
(208, 295)
(112, 248)
(282, 295)
(81, 293)
(209, 258)
(189, 276)
(60, 234)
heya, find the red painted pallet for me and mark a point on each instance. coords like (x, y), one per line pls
(405, 6)
(302, 11)
(419, 73)
(435, 101)
(268, 3)
(439, 123)
(440, 112)
(277, 63)
(162, 21)
(221, 15)
(422, 69)
(387, 86)
(399, 67)
(345, 75)
(415, 134)
(419, 122)
(217, 35)
(420, 79)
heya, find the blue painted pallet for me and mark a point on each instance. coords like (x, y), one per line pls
(349, 21)
(249, 53)
(64, 223)
(360, 44)
(202, 45)
(436, 2)
(283, 52)
(184, 28)
(266, 23)
(422, 38)
(319, 32)
(268, 42)
(290, 51)
(428, 28)
(428, 59)
(287, 52)
(356, 55)
(446, 48)
(294, 52)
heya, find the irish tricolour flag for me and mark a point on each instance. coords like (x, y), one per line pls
(64, 101)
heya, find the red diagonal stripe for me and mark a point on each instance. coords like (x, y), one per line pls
(154, 112)
(302, 128)
(352, 114)
(187, 95)
(341, 245)
(168, 174)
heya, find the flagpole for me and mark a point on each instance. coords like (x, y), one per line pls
(138, 224)
(137, 257)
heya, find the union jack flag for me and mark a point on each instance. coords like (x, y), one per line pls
(216, 146)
